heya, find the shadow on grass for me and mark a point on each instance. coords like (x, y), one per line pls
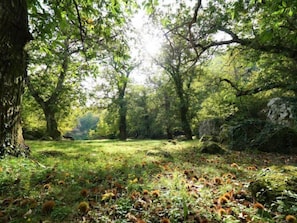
(106, 174)
(71, 172)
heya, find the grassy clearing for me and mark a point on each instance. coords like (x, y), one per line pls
(134, 181)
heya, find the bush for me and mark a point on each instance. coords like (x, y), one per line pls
(260, 135)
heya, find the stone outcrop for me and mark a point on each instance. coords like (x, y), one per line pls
(210, 127)
(282, 111)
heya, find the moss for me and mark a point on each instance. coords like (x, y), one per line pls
(260, 135)
(272, 182)
(211, 148)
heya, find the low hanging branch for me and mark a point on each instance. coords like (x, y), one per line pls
(266, 87)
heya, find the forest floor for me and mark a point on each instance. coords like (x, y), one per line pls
(135, 181)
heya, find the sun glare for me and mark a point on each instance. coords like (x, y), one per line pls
(152, 45)
(149, 36)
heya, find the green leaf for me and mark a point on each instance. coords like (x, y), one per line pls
(284, 4)
(266, 36)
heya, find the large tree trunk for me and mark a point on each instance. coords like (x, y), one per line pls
(14, 35)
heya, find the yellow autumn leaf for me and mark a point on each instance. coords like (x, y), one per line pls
(134, 181)
(107, 196)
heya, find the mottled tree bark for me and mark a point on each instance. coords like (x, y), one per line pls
(14, 34)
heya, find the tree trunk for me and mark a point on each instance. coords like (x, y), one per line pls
(185, 122)
(167, 106)
(14, 35)
(184, 109)
(122, 118)
(51, 124)
(123, 128)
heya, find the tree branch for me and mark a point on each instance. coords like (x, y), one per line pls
(62, 75)
(81, 30)
(255, 44)
(33, 92)
(265, 87)
(231, 83)
(191, 36)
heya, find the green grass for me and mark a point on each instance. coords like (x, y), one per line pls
(146, 180)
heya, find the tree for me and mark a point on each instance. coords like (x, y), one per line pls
(267, 27)
(14, 34)
(53, 80)
(57, 68)
(165, 104)
(117, 72)
(144, 110)
(179, 62)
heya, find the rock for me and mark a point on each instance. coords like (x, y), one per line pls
(211, 148)
(207, 138)
(282, 111)
(210, 127)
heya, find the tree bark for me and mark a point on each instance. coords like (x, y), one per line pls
(122, 118)
(183, 107)
(51, 123)
(167, 106)
(14, 34)
(184, 119)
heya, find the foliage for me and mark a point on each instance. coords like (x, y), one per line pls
(269, 186)
(259, 60)
(85, 125)
(69, 37)
(179, 63)
(151, 112)
(107, 126)
(260, 135)
(115, 76)
(32, 116)
(109, 180)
